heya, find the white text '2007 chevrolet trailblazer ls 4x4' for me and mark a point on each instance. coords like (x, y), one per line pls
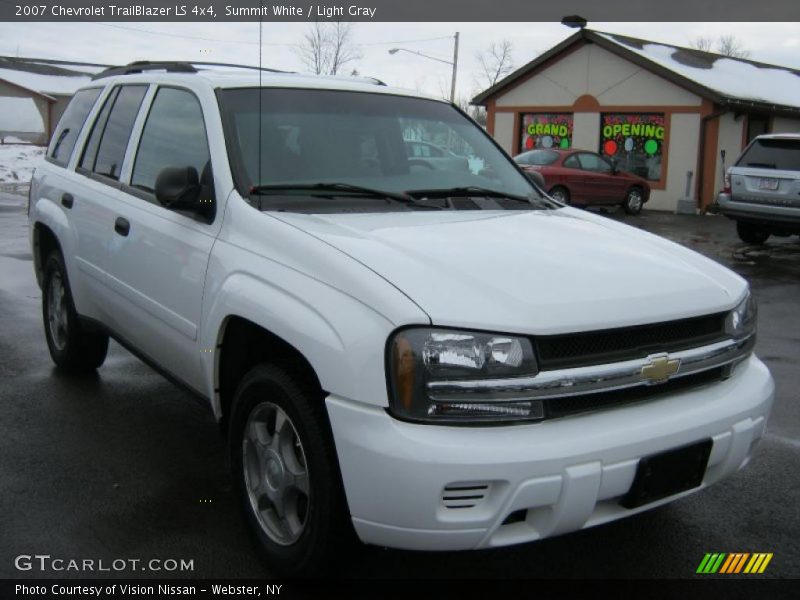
(434, 355)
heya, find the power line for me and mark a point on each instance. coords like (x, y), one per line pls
(446, 37)
(187, 37)
(253, 43)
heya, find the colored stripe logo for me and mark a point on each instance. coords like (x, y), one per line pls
(734, 563)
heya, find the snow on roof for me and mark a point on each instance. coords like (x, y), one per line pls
(20, 115)
(729, 77)
(45, 76)
(44, 84)
(88, 69)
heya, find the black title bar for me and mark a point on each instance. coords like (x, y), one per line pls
(399, 10)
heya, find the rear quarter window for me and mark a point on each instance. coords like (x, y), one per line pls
(780, 154)
(70, 125)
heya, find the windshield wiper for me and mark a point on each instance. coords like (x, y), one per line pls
(347, 188)
(465, 192)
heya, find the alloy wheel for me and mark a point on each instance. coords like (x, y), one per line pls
(275, 472)
(57, 317)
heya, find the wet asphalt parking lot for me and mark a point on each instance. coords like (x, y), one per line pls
(125, 465)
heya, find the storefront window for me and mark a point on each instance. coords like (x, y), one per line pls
(546, 130)
(636, 141)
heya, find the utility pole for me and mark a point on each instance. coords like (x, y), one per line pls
(455, 68)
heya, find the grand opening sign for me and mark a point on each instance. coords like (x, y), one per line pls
(546, 130)
(636, 140)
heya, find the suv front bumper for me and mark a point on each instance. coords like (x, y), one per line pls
(564, 475)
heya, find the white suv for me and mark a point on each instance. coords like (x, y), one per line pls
(434, 358)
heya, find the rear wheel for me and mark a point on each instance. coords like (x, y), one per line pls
(287, 474)
(751, 233)
(560, 193)
(633, 201)
(72, 348)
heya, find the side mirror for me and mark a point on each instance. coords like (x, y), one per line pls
(179, 188)
(536, 178)
(614, 166)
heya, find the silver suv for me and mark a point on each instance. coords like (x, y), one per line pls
(762, 190)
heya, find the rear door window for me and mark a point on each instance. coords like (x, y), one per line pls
(70, 125)
(781, 154)
(105, 149)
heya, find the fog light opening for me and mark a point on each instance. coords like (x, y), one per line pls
(518, 516)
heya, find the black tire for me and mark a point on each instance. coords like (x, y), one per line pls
(634, 200)
(325, 533)
(72, 348)
(751, 233)
(560, 193)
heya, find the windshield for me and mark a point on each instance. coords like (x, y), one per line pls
(375, 142)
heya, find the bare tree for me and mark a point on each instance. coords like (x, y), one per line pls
(342, 49)
(327, 47)
(313, 50)
(495, 62)
(727, 45)
(705, 44)
(478, 113)
(443, 83)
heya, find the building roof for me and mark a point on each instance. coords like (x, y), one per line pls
(735, 82)
(47, 77)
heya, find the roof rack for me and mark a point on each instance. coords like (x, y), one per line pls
(234, 65)
(146, 65)
(189, 67)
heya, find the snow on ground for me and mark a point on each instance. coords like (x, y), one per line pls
(17, 162)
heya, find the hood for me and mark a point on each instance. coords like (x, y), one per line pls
(545, 272)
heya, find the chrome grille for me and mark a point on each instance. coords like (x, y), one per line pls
(613, 345)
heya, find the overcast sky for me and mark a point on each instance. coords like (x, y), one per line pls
(777, 43)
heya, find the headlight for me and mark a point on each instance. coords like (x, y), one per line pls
(444, 375)
(741, 321)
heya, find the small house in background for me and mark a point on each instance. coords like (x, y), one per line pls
(34, 94)
(660, 110)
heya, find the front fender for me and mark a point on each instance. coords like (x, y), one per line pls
(342, 338)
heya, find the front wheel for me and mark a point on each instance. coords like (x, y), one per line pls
(634, 200)
(750, 233)
(72, 348)
(560, 193)
(285, 468)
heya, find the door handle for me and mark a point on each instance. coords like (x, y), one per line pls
(67, 200)
(122, 226)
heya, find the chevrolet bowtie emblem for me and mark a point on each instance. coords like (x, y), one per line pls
(659, 368)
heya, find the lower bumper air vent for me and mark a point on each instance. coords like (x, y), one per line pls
(464, 495)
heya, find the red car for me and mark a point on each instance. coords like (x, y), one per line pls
(584, 178)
